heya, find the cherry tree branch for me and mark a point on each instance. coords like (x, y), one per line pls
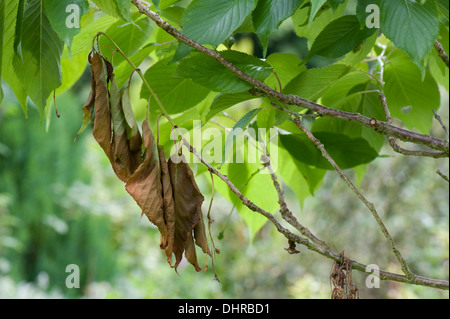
(368, 204)
(314, 243)
(328, 253)
(441, 52)
(261, 89)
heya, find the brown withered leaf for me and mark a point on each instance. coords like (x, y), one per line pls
(133, 134)
(168, 204)
(188, 211)
(102, 123)
(145, 187)
(124, 163)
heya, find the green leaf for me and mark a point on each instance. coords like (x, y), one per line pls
(163, 4)
(8, 73)
(268, 15)
(312, 83)
(124, 69)
(409, 98)
(335, 3)
(286, 66)
(2, 31)
(270, 117)
(346, 95)
(89, 28)
(339, 37)
(115, 8)
(315, 7)
(19, 28)
(40, 70)
(176, 93)
(361, 9)
(310, 29)
(211, 22)
(361, 51)
(304, 180)
(411, 26)
(253, 185)
(347, 152)
(72, 68)
(64, 15)
(128, 36)
(240, 125)
(213, 75)
(225, 100)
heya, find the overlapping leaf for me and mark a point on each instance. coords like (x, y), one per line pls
(188, 215)
(411, 26)
(213, 75)
(268, 14)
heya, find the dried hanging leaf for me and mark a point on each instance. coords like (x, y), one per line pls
(133, 135)
(123, 163)
(168, 204)
(188, 213)
(102, 124)
(145, 187)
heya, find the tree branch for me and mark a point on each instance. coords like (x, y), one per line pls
(441, 52)
(284, 210)
(368, 204)
(384, 275)
(381, 127)
(263, 90)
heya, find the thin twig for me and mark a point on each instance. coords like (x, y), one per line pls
(384, 275)
(439, 119)
(445, 177)
(441, 52)
(284, 210)
(368, 204)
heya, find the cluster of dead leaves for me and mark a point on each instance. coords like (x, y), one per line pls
(341, 280)
(166, 191)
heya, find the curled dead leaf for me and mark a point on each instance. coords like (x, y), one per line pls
(145, 187)
(188, 211)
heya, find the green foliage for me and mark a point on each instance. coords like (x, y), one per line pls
(411, 99)
(115, 8)
(331, 59)
(347, 152)
(172, 89)
(57, 15)
(411, 26)
(214, 76)
(269, 14)
(212, 22)
(339, 37)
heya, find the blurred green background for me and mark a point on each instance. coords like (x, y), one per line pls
(61, 204)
